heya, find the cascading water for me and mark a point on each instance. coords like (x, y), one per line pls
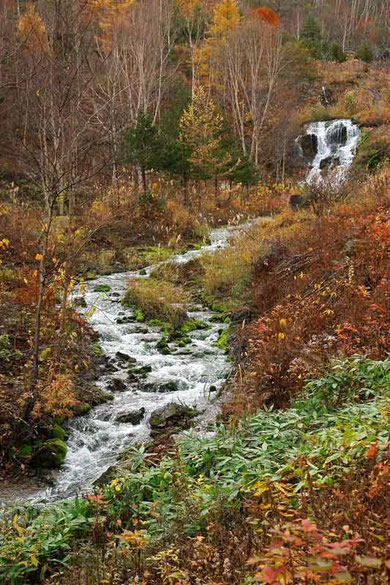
(94, 441)
(333, 144)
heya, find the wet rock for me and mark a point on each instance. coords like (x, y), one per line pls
(140, 330)
(124, 357)
(80, 302)
(110, 367)
(117, 385)
(171, 418)
(134, 417)
(140, 370)
(163, 347)
(125, 320)
(309, 145)
(329, 161)
(108, 476)
(161, 388)
(51, 455)
(339, 135)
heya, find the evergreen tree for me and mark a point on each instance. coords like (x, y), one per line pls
(143, 146)
(365, 52)
(336, 53)
(311, 36)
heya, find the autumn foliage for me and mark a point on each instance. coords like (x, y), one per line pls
(321, 291)
(266, 15)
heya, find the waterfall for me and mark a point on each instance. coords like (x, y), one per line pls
(333, 144)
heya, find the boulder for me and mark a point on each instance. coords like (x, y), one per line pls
(171, 418)
(309, 145)
(51, 454)
(328, 162)
(134, 417)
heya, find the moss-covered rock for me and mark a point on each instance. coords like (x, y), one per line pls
(57, 432)
(84, 408)
(171, 418)
(223, 340)
(102, 288)
(50, 455)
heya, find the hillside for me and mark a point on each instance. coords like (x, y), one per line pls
(194, 292)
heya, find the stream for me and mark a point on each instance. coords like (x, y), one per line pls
(95, 440)
(186, 375)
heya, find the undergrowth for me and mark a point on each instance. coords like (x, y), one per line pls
(268, 472)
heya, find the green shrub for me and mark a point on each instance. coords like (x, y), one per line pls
(336, 53)
(7, 353)
(31, 539)
(365, 52)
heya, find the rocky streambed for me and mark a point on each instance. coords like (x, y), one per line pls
(152, 388)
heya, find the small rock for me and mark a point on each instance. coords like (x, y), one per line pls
(109, 475)
(124, 357)
(161, 388)
(134, 417)
(117, 385)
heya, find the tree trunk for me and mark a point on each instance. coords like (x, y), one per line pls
(38, 321)
(144, 183)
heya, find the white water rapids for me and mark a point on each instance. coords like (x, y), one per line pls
(95, 440)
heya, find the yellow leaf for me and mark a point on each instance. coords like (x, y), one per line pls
(15, 524)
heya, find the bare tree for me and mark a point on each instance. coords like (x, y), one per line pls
(134, 45)
(55, 130)
(252, 61)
